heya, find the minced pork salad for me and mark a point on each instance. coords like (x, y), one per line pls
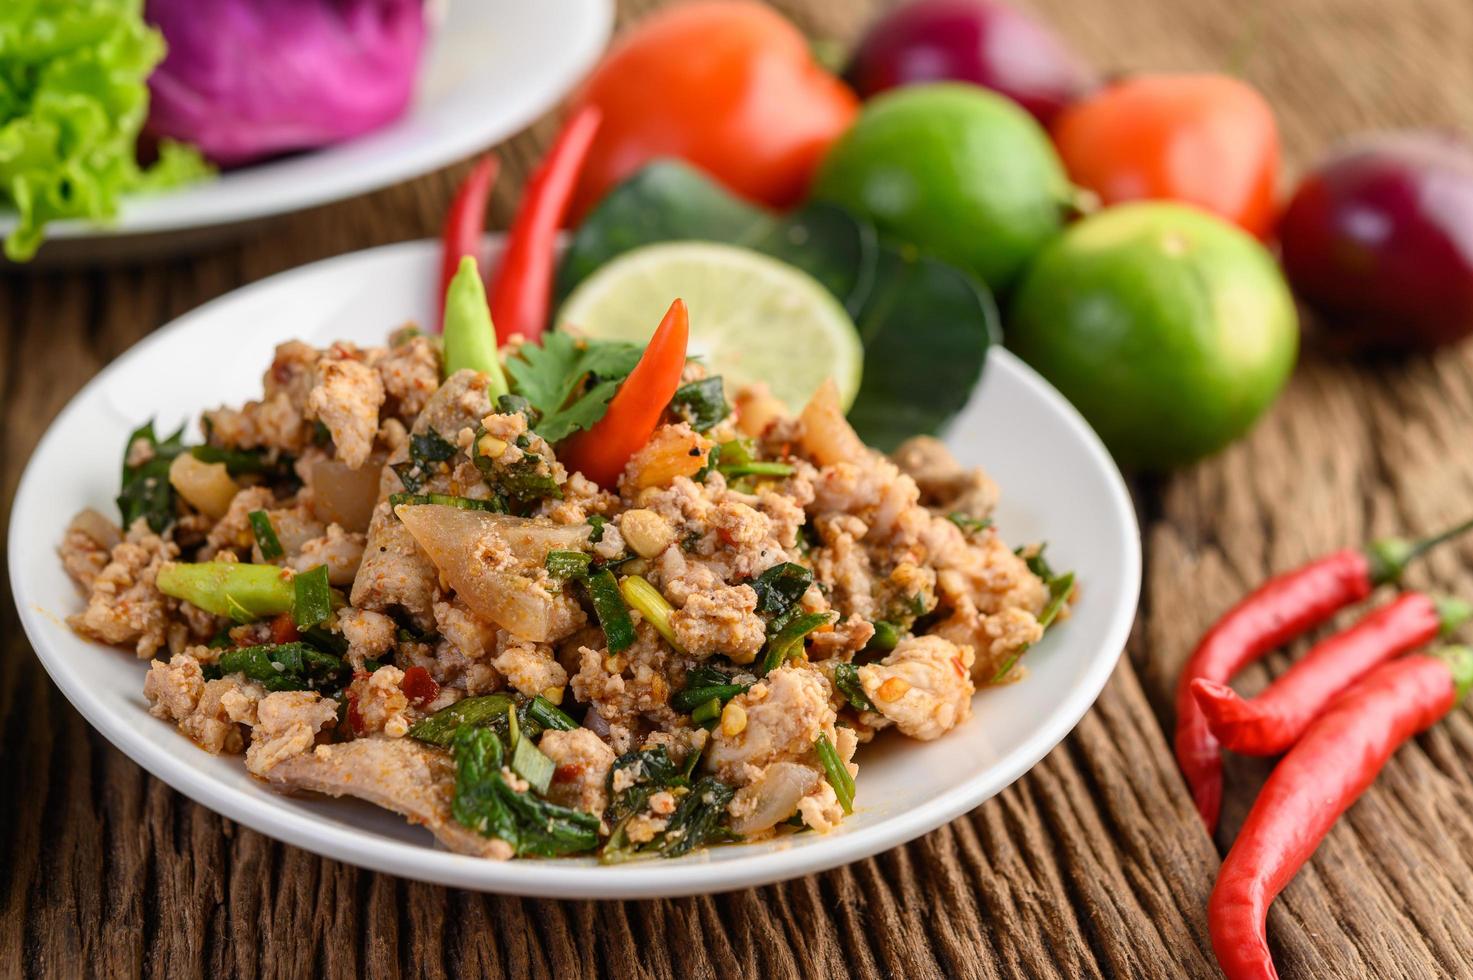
(567, 602)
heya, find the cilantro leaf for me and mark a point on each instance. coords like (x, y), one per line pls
(146, 491)
(552, 379)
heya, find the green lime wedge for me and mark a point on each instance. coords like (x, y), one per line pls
(752, 318)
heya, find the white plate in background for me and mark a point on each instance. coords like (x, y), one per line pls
(490, 68)
(1058, 484)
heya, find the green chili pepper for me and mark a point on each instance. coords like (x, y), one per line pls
(470, 339)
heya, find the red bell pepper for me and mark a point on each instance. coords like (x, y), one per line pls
(602, 452)
(521, 289)
(465, 224)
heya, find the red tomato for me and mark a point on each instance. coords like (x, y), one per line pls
(1207, 140)
(728, 86)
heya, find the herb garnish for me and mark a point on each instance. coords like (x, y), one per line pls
(146, 491)
(701, 403)
(846, 679)
(485, 803)
(568, 381)
(425, 451)
(287, 667)
(265, 534)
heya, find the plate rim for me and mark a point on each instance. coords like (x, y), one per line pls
(552, 879)
(128, 223)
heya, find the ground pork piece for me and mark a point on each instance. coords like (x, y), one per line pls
(395, 573)
(945, 485)
(722, 620)
(370, 635)
(785, 712)
(847, 638)
(844, 565)
(471, 637)
(874, 490)
(287, 723)
(582, 498)
(339, 550)
(124, 607)
(583, 761)
(982, 568)
(399, 774)
(630, 690)
(924, 686)
(410, 373)
(529, 667)
(646, 826)
(209, 712)
(376, 703)
(346, 399)
(461, 402)
(87, 546)
(233, 531)
(997, 638)
(277, 420)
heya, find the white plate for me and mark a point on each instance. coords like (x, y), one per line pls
(1058, 485)
(491, 68)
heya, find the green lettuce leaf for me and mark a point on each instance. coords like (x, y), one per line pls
(73, 98)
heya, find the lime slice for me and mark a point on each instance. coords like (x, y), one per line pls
(752, 318)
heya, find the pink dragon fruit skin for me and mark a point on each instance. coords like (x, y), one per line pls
(248, 79)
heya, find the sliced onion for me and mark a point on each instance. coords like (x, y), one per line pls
(773, 798)
(827, 435)
(342, 495)
(455, 539)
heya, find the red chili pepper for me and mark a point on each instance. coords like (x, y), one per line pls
(1274, 720)
(419, 687)
(1277, 611)
(355, 717)
(601, 453)
(465, 224)
(1338, 757)
(521, 290)
(283, 629)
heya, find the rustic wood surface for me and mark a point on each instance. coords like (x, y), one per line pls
(1091, 865)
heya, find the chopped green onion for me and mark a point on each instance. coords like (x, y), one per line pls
(242, 591)
(444, 500)
(693, 697)
(313, 600)
(789, 640)
(837, 772)
(968, 523)
(709, 711)
(846, 679)
(439, 728)
(513, 729)
(286, 666)
(266, 538)
(532, 764)
(597, 522)
(608, 606)
(653, 606)
(1059, 587)
(568, 564)
(886, 637)
(549, 715)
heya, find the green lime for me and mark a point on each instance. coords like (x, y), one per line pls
(752, 318)
(956, 170)
(1169, 329)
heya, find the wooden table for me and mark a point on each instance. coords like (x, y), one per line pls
(1092, 865)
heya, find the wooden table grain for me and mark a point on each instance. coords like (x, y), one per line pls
(1092, 865)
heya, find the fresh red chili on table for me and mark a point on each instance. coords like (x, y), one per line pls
(521, 289)
(465, 225)
(1273, 721)
(600, 453)
(1277, 611)
(1338, 757)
